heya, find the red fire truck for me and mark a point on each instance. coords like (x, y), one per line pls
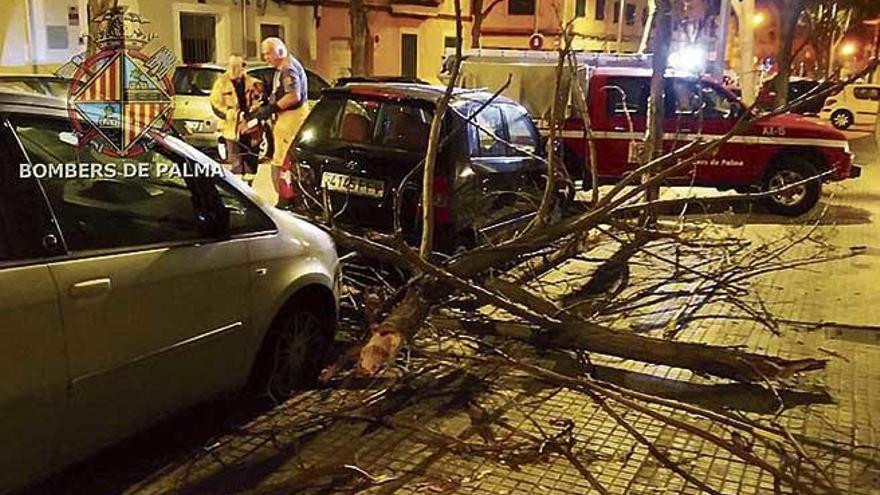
(773, 153)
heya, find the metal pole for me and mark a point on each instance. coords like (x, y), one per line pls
(620, 26)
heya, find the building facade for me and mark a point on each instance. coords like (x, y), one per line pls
(406, 37)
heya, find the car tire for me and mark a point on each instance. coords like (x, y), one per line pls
(295, 350)
(842, 119)
(797, 201)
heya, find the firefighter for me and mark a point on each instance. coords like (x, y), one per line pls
(288, 102)
(233, 96)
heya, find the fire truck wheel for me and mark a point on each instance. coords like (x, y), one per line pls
(797, 200)
(842, 119)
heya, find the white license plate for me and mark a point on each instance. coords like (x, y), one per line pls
(357, 186)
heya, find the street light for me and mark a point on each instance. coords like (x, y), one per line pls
(758, 18)
(848, 49)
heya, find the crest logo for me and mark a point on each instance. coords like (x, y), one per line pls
(119, 94)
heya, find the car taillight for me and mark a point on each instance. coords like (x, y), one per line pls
(286, 180)
(442, 211)
(830, 101)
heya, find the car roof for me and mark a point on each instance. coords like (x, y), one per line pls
(410, 91)
(201, 66)
(32, 103)
(47, 77)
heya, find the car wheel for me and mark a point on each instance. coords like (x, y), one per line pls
(799, 199)
(842, 119)
(295, 351)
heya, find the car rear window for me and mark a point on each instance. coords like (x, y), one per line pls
(193, 81)
(368, 122)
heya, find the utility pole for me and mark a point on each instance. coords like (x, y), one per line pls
(620, 21)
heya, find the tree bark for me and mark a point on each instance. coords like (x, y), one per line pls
(433, 148)
(790, 11)
(662, 36)
(360, 38)
(477, 24)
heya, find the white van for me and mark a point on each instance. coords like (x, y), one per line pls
(856, 104)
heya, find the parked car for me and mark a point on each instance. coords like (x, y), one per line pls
(193, 117)
(774, 152)
(797, 87)
(856, 104)
(361, 141)
(123, 299)
(41, 84)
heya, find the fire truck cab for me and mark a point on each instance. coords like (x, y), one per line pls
(774, 152)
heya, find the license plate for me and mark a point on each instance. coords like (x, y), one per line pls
(357, 186)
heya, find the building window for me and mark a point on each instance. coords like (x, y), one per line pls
(521, 7)
(630, 14)
(271, 30)
(580, 8)
(600, 10)
(449, 41)
(645, 16)
(616, 12)
(198, 38)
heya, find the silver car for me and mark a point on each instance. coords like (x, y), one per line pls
(125, 299)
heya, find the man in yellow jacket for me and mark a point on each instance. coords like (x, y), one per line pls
(288, 101)
(233, 97)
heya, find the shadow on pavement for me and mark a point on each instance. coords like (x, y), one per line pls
(742, 397)
(115, 469)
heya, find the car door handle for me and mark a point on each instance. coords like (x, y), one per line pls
(91, 288)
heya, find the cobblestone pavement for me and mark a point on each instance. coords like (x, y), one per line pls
(449, 431)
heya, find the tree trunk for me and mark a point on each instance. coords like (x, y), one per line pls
(477, 24)
(745, 9)
(790, 12)
(662, 35)
(360, 38)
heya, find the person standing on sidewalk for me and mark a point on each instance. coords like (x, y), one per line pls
(233, 96)
(288, 102)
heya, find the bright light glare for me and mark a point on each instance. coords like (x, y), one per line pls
(848, 49)
(759, 18)
(688, 59)
(308, 135)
